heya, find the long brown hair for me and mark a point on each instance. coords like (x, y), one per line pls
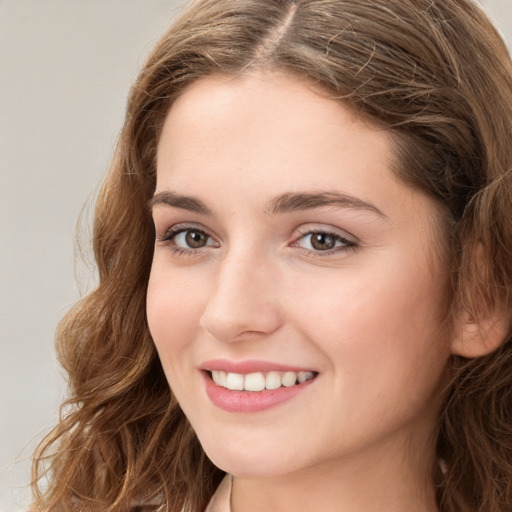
(436, 74)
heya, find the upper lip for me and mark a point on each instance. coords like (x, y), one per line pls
(250, 366)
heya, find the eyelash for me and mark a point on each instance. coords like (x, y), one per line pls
(170, 235)
(347, 244)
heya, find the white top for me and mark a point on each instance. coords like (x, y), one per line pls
(220, 501)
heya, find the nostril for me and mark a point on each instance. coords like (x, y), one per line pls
(239, 310)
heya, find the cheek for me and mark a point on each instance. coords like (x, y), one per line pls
(173, 313)
(391, 302)
(381, 331)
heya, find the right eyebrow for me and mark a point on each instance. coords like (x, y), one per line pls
(308, 201)
(169, 198)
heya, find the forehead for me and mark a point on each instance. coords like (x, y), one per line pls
(267, 125)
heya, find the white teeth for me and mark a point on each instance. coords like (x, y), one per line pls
(254, 382)
(258, 381)
(304, 376)
(219, 378)
(235, 381)
(289, 379)
(273, 380)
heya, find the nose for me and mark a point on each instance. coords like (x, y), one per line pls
(244, 302)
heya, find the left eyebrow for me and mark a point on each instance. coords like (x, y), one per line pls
(305, 201)
(169, 198)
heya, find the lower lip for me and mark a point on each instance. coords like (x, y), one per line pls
(251, 401)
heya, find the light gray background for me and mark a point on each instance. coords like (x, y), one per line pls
(65, 70)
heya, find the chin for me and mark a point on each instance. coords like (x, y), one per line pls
(244, 467)
(254, 461)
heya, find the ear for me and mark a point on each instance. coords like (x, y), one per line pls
(479, 336)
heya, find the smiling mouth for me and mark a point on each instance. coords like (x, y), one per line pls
(259, 381)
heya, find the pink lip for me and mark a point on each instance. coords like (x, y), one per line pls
(249, 366)
(250, 401)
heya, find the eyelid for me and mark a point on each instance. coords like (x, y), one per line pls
(328, 229)
(350, 242)
(172, 231)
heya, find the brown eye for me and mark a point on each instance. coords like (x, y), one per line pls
(196, 239)
(322, 241)
(190, 239)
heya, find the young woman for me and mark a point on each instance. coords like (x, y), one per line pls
(304, 251)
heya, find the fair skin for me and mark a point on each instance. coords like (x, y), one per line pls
(344, 285)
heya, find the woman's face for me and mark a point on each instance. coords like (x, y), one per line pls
(291, 260)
